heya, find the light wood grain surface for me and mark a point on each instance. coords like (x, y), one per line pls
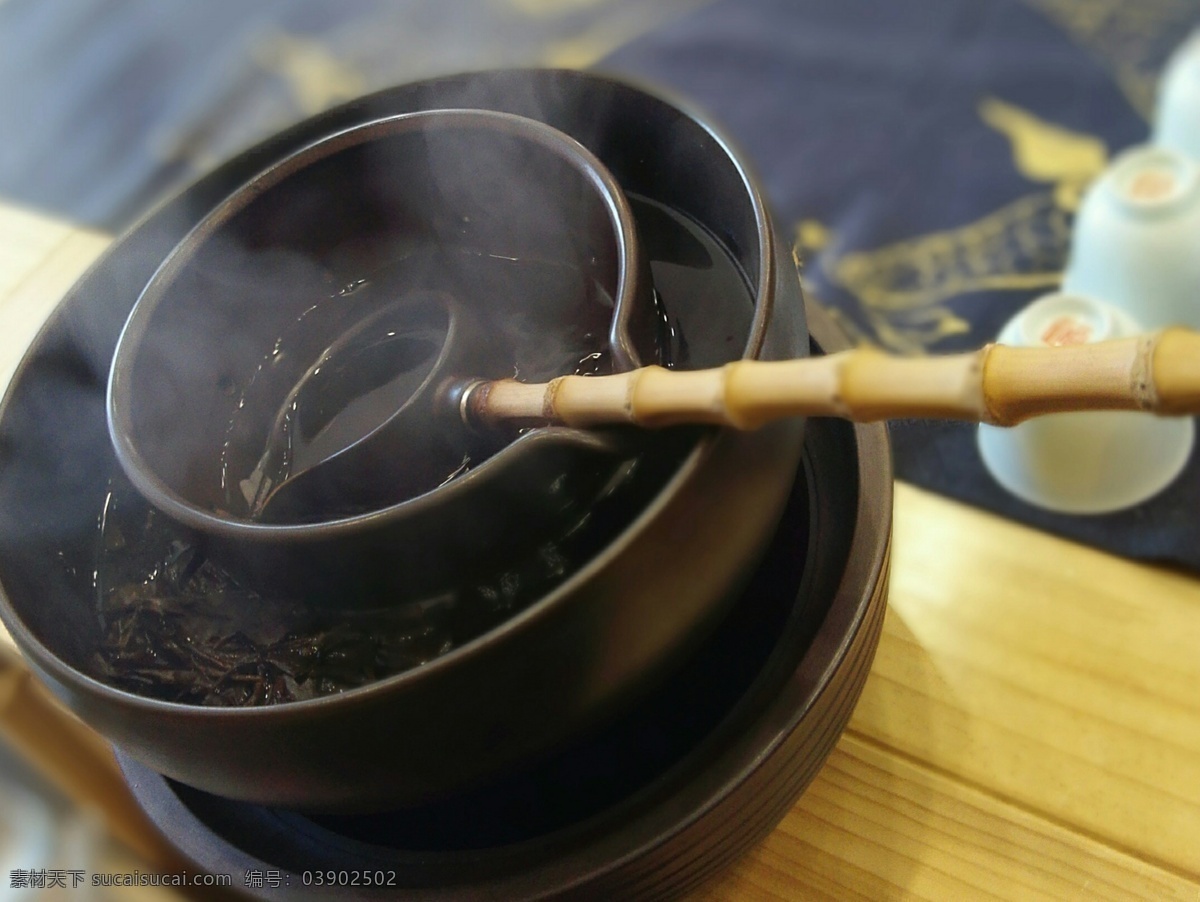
(1030, 729)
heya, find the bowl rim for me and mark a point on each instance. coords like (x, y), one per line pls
(118, 396)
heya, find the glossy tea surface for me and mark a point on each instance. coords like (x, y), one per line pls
(176, 626)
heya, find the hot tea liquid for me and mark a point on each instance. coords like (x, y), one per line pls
(347, 394)
(175, 626)
(345, 366)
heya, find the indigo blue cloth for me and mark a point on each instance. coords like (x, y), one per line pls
(926, 158)
(105, 105)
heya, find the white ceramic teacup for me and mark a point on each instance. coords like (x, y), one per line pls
(1177, 119)
(1136, 241)
(1083, 463)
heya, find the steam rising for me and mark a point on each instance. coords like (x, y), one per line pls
(251, 313)
(507, 228)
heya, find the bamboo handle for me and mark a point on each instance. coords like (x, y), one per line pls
(1001, 385)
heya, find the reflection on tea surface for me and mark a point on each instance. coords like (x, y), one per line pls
(175, 626)
(350, 361)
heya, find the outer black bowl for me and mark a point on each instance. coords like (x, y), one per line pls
(657, 801)
(577, 655)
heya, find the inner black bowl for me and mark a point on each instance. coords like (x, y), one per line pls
(529, 240)
(517, 222)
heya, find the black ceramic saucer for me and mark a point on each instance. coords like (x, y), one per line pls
(649, 806)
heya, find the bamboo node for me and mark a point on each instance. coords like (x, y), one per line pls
(839, 407)
(987, 401)
(550, 398)
(472, 403)
(725, 404)
(973, 389)
(627, 405)
(1141, 373)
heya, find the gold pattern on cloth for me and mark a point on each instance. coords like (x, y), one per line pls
(1130, 38)
(902, 288)
(315, 77)
(610, 33)
(271, 77)
(1044, 152)
(551, 7)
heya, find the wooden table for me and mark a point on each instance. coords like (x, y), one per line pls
(1030, 729)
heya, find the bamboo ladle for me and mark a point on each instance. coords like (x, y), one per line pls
(998, 384)
(1158, 373)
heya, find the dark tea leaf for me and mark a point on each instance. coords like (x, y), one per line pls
(174, 625)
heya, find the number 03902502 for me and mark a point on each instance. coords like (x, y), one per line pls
(348, 878)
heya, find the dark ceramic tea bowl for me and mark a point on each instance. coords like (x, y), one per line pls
(513, 224)
(670, 523)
